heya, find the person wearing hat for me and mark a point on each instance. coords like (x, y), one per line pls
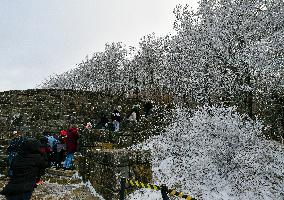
(61, 148)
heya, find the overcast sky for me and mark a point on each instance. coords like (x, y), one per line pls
(39, 38)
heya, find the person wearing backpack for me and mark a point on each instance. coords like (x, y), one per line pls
(45, 149)
(28, 166)
(61, 148)
(52, 142)
(13, 149)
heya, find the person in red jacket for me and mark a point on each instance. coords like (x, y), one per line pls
(71, 147)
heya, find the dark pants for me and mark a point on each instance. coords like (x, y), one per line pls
(11, 158)
(59, 158)
(147, 112)
(24, 196)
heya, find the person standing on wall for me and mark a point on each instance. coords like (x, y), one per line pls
(29, 165)
(103, 123)
(116, 118)
(71, 147)
(147, 108)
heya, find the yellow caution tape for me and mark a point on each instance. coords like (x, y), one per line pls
(171, 192)
(155, 187)
(137, 183)
(131, 183)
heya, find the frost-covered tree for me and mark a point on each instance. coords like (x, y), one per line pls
(102, 72)
(227, 51)
(221, 47)
(148, 64)
(216, 153)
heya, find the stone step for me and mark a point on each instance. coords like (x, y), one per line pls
(61, 176)
(60, 172)
(60, 179)
(54, 191)
(58, 188)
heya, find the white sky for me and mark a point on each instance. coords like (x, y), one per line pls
(39, 38)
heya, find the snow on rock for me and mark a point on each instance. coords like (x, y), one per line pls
(216, 153)
(93, 191)
(145, 194)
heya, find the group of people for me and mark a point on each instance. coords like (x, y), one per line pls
(29, 157)
(104, 122)
(60, 147)
(116, 118)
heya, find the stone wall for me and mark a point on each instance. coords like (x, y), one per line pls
(39, 110)
(104, 168)
(130, 134)
(103, 161)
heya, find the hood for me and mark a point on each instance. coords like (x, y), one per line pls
(30, 146)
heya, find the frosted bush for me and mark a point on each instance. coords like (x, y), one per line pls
(217, 153)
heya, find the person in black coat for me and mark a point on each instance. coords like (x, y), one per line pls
(29, 165)
(147, 108)
(103, 121)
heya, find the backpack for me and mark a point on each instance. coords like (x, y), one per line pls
(15, 145)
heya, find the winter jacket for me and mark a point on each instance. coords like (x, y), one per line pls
(104, 121)
(62, 137)
(72, 140)
(45, 149)
(15, 144)
(148, 106)
(52, 142)
(133, 117)
(61, 145)
(27, 168)
(116, 116)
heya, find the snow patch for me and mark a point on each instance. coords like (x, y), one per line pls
(216, 153)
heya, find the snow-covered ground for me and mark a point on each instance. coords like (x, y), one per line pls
(215, 153)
